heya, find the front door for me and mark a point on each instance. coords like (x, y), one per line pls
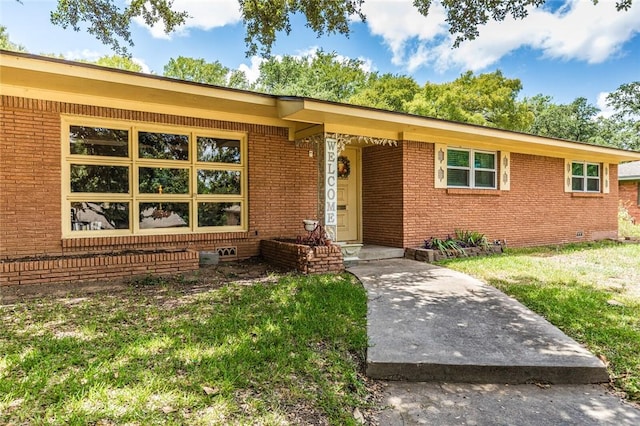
(348, 196)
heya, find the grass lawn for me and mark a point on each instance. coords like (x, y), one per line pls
(590, 291)
(288, 350)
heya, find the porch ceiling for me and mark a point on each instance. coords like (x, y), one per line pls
(340, 118)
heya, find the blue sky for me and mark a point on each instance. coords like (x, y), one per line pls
(567, 50)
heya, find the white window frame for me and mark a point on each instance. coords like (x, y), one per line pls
(472, 169)
(134, 197)
(585, 178)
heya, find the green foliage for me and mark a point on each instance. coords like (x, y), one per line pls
(471, 238)
(200, 71)
(6, 43)
(110, 22)
(321, 76)
(574, 121)
(172, 354)
(264, 19)
(626, 225)
(119, 62)
(389, 92)
(487, 100)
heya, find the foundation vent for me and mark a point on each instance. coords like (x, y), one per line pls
(227, 253)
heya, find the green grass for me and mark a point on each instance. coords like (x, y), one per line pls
(626, 227)
(573, 287)
(238, 354)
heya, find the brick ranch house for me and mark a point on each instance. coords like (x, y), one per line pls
(629, 188)
(107, 173)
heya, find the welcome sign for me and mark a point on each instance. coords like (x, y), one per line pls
(330, 181)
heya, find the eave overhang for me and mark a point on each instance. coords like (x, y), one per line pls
(37, 77)
(340, 118)
(64, 81)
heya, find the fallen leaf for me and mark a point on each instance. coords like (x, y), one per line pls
(210, 391)
(167, 409)
(357, 415)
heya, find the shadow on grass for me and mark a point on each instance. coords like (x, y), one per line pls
(252, 354)
(611, 331)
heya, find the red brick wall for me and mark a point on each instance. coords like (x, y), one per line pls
(382, 195)
(536, 211)
(302, 258)
(399, 199)
(282, 183)
(629, 197)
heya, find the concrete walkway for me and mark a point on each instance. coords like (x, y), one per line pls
(430, 324)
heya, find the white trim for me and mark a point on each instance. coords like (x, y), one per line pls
(472, 169)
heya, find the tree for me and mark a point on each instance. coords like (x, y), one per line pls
(200, 71)
(487, 99)
(119, 62)
(575, 121)
(626, 102)
(7, 44)
(110, 22)
(321, 76)
(390, 92)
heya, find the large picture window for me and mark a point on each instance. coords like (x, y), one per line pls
(467, 168)
(585, 177)
(138, 179)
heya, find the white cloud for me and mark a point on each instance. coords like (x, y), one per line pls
(145, 68)
(578, 30)
(203, 14)
(605, 110)
(252, 71)
(85, 54)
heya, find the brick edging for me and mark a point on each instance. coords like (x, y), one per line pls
(98, 267)
(302, 258)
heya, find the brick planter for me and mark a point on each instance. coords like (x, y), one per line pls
(96, 267)
(430, 256)
(302, 258)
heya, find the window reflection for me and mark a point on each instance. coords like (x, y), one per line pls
(154, 180)
(218, 182)
(95, 215)
(91, 178)
(217, 150)
(164, 215)
(219, 214)
(163, 146)
(101, 141)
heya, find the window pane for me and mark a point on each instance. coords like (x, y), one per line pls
(457, 177)
(577, 184)
(219, 214)
(593, 185)
(164, 215)
(219, 182)
(163, 146)
(577, 169)
(98, 141)
(484, 160)
(153, 180)
(216, 150)
(457, 158)
(88, 178)
(485, 179)
(593, 170)
(95, 215)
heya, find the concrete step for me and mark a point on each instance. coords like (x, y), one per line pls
(370, 252)
(427, 323)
